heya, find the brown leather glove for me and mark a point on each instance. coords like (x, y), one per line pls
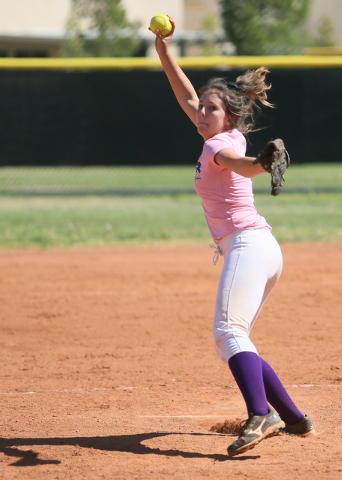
(275, 160)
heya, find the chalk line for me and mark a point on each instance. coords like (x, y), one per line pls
(89, 390)
(73, 390)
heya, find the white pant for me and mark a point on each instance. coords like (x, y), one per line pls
(253, 263)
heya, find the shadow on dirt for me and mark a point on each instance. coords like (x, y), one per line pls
(120, 443)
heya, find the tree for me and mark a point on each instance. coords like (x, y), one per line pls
(209, 47)
(326, 34)
(99, 28)
(266, 27)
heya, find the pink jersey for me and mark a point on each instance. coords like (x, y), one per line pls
(227, 197)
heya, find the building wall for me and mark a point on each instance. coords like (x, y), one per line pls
(40, 24)
(196, 12)
(33, 17)
(32, 27)
(329, 8)
(145, 10)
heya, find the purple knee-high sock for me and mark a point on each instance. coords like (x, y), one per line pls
(278, 397)
(247, 371)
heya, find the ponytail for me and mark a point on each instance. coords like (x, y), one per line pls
(242, 97)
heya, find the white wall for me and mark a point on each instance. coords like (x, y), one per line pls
(33, 17)
(329, 8)
(43, 16)
(197, 10)
(48, 17)
(144, 10)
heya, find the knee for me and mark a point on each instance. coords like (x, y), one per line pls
(230, 328)
(228, 345)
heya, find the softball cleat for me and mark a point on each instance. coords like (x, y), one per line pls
(303, 428)
(256, 428)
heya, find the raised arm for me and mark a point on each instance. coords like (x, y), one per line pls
(184, 91)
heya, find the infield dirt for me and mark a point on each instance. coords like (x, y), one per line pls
(108, 368)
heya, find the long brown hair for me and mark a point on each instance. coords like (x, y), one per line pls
(240, 97)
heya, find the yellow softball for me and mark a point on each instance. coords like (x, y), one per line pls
(161, 23)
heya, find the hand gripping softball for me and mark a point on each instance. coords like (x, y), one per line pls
(275, 160)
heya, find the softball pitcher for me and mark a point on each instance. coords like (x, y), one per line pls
(223, 114)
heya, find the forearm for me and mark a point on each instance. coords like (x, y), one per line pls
(182, 87)
(245, 167)
(241, 165)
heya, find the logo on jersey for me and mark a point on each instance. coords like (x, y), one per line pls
(198, 170)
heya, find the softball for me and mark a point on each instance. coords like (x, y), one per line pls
(161, 23)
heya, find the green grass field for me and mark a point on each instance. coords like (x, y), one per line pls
(58, 207)
(139, 180)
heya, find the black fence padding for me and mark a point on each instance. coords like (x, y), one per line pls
(132, 117)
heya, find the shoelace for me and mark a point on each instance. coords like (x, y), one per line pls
(244, 425)
(217, 253)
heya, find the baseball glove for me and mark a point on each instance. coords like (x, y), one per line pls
(275, 160)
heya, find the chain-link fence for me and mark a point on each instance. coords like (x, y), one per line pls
(149, 180)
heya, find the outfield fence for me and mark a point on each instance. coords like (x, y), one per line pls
(112, 126)
(122, 112)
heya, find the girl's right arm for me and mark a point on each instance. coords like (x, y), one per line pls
(181, 85)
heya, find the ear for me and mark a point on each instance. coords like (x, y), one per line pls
(230, 120)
